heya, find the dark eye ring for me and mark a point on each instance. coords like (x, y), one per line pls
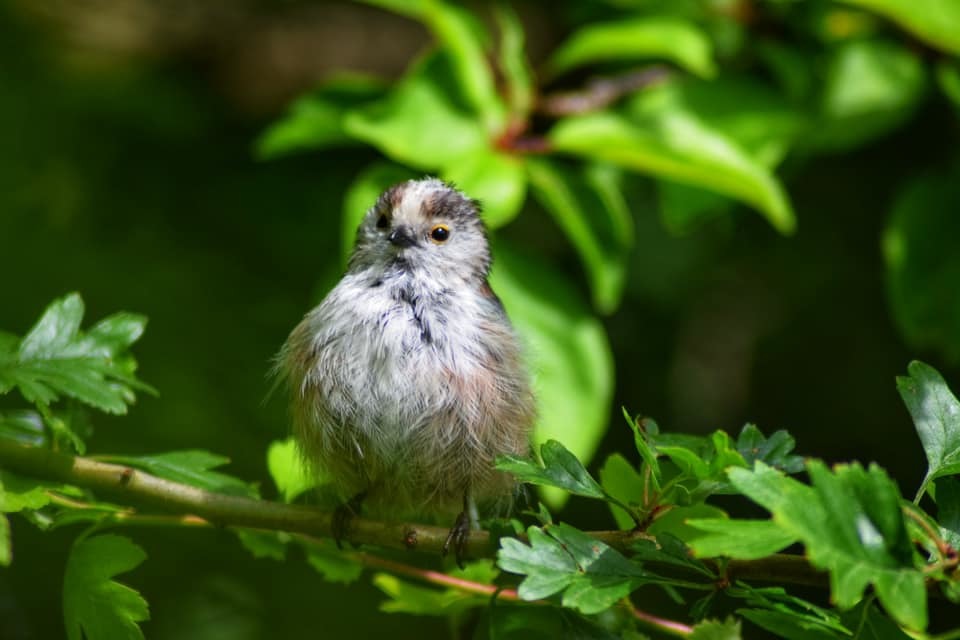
(382, 222)
(440, 233)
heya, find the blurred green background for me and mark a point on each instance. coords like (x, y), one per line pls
(128, 173)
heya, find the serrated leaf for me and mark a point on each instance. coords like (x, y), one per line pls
(420, 123)
(192, 466)
(288, 471)
(559, 558)
(566, 349)
(773, 451)
(852, 526)
(659, 136)
(94, 605)
(642, 38)
(24, 427)
(333, 564)
(414, 599)
(740, 539)
(728, 629)
(582, 213)
(793, 616)
(55, 358)
(18, 493)
(669, 550)
(948, 510)
(935, 21)
(674, 521)
(559, 468)
(871, 624)
(936, 416)
(314, 121)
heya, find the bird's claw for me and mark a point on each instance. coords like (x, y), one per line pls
(343, 515)
(457, 538)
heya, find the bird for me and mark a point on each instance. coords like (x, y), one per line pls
(408, 380)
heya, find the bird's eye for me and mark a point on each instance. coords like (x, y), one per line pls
(440, 233)
(382, 222)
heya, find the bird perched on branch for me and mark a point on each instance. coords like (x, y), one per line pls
(407, 380)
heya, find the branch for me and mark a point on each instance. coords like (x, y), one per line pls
(188, 503)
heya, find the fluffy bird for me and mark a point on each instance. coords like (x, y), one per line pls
(407, 380)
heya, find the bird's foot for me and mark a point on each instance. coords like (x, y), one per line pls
(457, 538)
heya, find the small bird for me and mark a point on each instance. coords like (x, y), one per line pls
(407, 380)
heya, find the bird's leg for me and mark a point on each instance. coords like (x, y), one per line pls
(460, 531)
(342, 515)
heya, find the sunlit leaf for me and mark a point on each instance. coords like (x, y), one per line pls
(936, 415)
(740, 539)
(331, 563)
(717, 630)
(567, 349)
(620, 479)
(94, 605)
(287, 469)
(513, 62)
(314, 121)
(264, 544)
(560, 469)
(871, 87)
(935, 21)
(658, 136)
(497, 180)
(55, 358)
(851, 525)
(643, 38)
(420, 123)
(581, 211)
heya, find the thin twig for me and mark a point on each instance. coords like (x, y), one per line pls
(185, 505)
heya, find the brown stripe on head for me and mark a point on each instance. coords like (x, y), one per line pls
(449, 204)
(391, 199)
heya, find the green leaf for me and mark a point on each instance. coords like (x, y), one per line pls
(948, 510)
(789, 616)
(522, 622)
(55, 358)
(560, 469)
(661, 137)
(871, 87)
(314, 121)
(674, 522)
(333, 564)
(643, 429)
(420, 123)
(717, 630)
(362, 194)
(584, 216)
(193, 467)
(592, 576)
(414, 599)
(643, 38)
(513, 62)
(948, 77)
(621, 480)
(936, 415)
(935, 21)
(871, 624)
(773, 451)
(497, 180)
(288, 471)
(264, 544)
(566, 348)
(94, 606)
(852, 526)
(668, 550)
(18, 493)
(6, 548)
(739, 539)
(923, 266)
(464, 39)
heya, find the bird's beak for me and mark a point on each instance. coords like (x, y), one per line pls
(402, 237)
